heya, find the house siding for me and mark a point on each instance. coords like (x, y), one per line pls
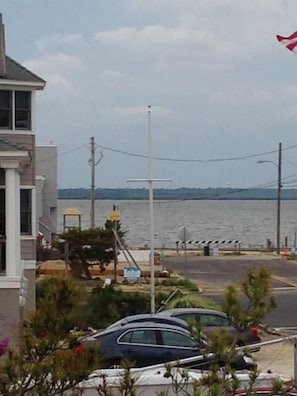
(30, 274)
(28, 249)
(10, 313)
(26, 142)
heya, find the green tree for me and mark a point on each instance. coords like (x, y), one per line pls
(89, 245)
(48, 360)
(248, 304)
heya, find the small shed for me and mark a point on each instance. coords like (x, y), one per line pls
(70, 214)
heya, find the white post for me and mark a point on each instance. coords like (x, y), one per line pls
(150, 181)
(151, 200)
(12, 222)
(295, 358)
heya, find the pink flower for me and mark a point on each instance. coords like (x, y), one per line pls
(4, 346)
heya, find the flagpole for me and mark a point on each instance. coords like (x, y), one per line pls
(151, 206)
(150, 181)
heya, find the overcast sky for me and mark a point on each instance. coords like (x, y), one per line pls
(219, 83)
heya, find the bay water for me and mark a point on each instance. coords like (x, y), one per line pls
(251, 222)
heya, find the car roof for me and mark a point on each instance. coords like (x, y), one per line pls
(147, 317)
(170, 311)
(139, 326)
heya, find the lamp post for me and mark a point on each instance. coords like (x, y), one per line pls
(279, 185)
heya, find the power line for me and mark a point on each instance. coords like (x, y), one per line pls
(61, 154)
(194, 160)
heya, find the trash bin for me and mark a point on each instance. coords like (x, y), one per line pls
(157, 258)
(206, 250)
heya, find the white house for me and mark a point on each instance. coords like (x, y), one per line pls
(18, 88)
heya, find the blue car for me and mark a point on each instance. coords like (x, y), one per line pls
(146, 344)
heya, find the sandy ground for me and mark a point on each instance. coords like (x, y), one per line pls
(278, 358)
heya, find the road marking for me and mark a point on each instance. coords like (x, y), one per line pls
(284, 280)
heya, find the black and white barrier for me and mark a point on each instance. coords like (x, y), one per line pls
(212, 242)
(215, 245)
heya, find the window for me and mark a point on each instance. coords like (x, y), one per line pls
(172, 338)
(5, 109)
(188, 317)
(139, 337)
(22, 110)
(15, 109)
(2, 212)
(26, 212)
(214, 320)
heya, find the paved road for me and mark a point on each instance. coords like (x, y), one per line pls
(213, 274)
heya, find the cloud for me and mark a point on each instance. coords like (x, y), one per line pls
(152, 37)
(60, 72)
(60, 42)
(212, 71)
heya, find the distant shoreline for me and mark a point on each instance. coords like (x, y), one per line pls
(178, 194)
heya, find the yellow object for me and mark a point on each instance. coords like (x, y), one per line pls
(113, 215)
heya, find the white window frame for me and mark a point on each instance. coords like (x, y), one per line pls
(33, 212)
(13, 111)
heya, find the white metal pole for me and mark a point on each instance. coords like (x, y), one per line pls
(295, 358)
(279, 185)
(92, 183)
(151, 206)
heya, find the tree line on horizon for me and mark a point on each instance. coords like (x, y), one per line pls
(183, 193)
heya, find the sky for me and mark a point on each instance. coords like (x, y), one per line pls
(223, 90)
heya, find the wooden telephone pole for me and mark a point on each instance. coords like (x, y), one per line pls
(93, 163)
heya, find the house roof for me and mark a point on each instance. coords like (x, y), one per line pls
(17, 72)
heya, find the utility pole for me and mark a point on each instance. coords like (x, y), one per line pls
(279, 186)
(278, 198)
(92, 163)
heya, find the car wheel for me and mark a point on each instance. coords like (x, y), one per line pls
(114, 364)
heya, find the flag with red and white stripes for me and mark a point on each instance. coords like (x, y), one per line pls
(290, 42)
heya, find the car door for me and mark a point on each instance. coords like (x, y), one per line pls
(140, 346)
(211, 322)
(177, 345)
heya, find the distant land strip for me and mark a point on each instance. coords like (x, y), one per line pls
(183, 193)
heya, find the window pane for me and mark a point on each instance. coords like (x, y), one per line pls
(214, 320)
(5, 99)
(140, 337)
(5, 109)
(26, 213)
(22, 110)
(22, 119)
(126, 337)
(22, 100)
(172, 338)
(5, 119)
(186, 317)
(2, 212)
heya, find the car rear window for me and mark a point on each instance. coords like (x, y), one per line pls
(214, 320)
(142, 336)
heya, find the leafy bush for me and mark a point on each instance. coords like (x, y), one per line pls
(192, 301)
(104, 306)
(180, 282)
